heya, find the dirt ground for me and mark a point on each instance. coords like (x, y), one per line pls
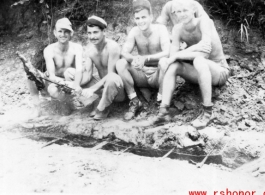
(26, 167)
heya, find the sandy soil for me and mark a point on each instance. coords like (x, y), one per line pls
(26, 167)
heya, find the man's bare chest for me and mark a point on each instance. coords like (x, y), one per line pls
(191, 38)
(64, 60)
(100, 59)
(148, 43)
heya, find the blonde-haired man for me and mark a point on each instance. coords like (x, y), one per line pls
(203, 62)
(168, 14)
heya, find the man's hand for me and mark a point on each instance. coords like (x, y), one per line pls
(138, 62)
(78, 89)
(87, 93)
(205, 47)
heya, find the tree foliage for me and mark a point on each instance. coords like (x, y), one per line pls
(242, 14)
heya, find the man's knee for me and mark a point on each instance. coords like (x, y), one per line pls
(121, 65)
(200, 64)
(69, 73)
(53, 90)
(162, 65)
(175, 68)
(113, 80)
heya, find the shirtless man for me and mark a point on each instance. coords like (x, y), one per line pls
(63, 62)
(205, 66)
(104, 54)
(147, 68)
(168, 13)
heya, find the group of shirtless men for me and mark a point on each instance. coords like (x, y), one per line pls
(160, 59)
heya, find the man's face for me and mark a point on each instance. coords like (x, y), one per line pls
(143, 19)
(95, 34)
(184, 12)
(63, 35)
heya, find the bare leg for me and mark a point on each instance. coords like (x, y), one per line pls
(33, 92)
(69, 75)
(123, 70)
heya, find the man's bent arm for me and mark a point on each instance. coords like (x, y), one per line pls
(175, 54)
(78, 66)
(128, 47)
(206, 29)
(88, 66)
(114, 56)
(48, 56)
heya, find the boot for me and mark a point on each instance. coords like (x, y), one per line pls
(204, 118)
(101, 114)
(135, 106)
(162, 117)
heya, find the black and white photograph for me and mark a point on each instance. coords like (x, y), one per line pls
(132, 97)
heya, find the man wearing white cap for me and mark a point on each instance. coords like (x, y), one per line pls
(145, 70)
(104, 54)
(63, 62)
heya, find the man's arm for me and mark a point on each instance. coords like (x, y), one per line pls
(128, 46)
(78, 66)
(200, 12)
(165, 46)
(175, 54)
(163, 18)
(48, 56)
(114, 56)
(205, 44)
(88, 64)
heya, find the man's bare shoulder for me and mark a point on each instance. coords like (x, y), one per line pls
(50, 48)
(89, 50)
(75, 46)
(177, 28)
(159, 28)
(134, 31)
(112, 45)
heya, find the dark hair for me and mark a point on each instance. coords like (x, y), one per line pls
(92, 25)
(140, 8)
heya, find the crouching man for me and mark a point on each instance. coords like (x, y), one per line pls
(146, 69)
(63, 62)
(203, 62)
(104, 54)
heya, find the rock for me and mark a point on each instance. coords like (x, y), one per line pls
(179, 105)
(119, 129)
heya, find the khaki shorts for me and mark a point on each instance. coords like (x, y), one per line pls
(225, 73)
(147, 77)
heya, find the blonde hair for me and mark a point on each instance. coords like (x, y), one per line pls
(181, 2)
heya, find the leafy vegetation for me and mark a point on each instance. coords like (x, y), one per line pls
(242, 14)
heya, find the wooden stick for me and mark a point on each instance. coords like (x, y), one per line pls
(51, 142)
(121, 152)
(100, 145)
(167, 154)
